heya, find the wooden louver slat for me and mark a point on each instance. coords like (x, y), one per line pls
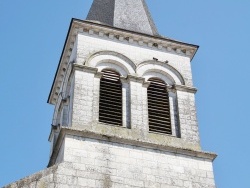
(158, 107)
(110, 105)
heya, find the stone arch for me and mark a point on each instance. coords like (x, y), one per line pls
(155, 73)
(111, 60)
(166, 72)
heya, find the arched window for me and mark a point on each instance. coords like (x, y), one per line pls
(110, 106)
(158, 107)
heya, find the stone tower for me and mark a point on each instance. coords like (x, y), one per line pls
(124, 102)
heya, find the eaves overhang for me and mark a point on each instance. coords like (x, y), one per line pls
(93, 28)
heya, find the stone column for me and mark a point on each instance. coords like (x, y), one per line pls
(138, 109)
(173, 105)
(126, 116)
(83, 95)
(96, 98)
(187, 114)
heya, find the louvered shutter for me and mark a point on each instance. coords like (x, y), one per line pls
(110, 109)
(158, 107)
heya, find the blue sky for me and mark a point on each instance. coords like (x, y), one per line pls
(32, 37)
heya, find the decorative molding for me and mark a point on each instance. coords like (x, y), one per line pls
(85, 68)
(114, 55)
(185, 88)
(160, 43)
(123, 79)
(136, 79)
(99, 75)
(146, 84)
(170, 70)
(171, 89)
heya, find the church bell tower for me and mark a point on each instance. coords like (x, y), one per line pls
(125, 112)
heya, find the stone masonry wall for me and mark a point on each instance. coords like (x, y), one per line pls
(108, 164)
(188, 117)
(83, 98)
(135, 115)
(85, 109)
(91, 163)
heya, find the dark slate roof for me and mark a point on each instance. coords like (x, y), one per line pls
(131, 15)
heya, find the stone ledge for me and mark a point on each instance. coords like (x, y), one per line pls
(127, 136)
(84, 68)
(185, 88)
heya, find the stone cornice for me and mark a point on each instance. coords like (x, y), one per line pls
(128, 136)
(96, 29)
(154, 42)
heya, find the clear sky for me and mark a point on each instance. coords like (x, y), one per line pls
(32, 34)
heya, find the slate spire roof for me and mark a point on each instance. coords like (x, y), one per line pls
(131, 15)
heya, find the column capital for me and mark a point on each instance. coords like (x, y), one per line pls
(124, 79)
(136, 79)
(99, 74)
